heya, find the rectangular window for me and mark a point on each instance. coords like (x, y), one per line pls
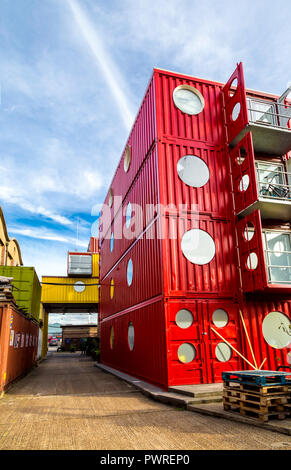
(277, 246)
(262, 112)
(272, 180)
(80, 265)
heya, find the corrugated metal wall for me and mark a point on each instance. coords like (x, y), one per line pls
(19, 344)
(27, 290)
(141, 138)
(147, 360)
(61, 290)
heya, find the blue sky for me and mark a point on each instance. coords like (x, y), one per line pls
(73, 73)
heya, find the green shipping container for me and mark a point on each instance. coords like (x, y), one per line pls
(27, 290)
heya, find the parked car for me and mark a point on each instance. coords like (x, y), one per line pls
(53, 342)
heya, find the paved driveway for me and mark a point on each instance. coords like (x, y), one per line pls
(67, 403)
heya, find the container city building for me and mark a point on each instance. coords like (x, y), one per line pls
(195, 236)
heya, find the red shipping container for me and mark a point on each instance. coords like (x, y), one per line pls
(18, 344)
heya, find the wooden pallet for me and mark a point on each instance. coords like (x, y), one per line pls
(262, 390)
(257, 406)
(256, 398)
(253, 413)
(257, 378)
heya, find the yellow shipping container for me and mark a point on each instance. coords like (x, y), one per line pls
(95, 264)
(70, 289)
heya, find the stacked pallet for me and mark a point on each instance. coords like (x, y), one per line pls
(258, 394)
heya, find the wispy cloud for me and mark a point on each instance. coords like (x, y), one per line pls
(111, 73)
(42, 233)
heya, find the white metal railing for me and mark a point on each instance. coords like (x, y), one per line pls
(269, 113)
(270, 188)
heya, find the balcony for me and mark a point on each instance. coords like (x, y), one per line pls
(277, 248)
(269, 123)
(274, 192)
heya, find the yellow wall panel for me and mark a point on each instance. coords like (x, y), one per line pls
(61, 290)
(95, 264)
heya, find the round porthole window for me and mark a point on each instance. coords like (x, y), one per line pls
(127, 159)
(233, 87)
(129, 272)
(252, 261)
(111, 337)
(220, 318)
(111, 289)
(128, 215)
(198, 246)
(111, 242)
(235, 112)
(184, 318)
(188, 99)
(249, 231)
(110, 200)
(130, 336)
(193, 171)
(223, 352)
(244, 183)
(277, 330)
(79, 286)
(186, 353)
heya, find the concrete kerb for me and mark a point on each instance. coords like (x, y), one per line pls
(189, 404)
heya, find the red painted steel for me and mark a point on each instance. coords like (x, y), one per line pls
(252, 279)
(140, 141)
(255, 309)
(143, 198)
(244, 150)
(174, 191)
(148, 359)
(18, 344)
(164, 280)
(146, 282)
(93, 245)
(207, 126)
(183, 278)
(205, 368)
(233, 98)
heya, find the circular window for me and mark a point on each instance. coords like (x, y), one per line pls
(130, 336)
(186, 353)
(244, 183)
(233, 87)
(220, 318)
(111, 337)
(223, 352)
(110, 200)
(111, 242)
(129, 272)
(249, 231)
(242, 153)
(198, 246)
(289, 357)
(188, 99)
(184, 318)
(127, 159)
(193, 171)
(235, 112)
(277, 330)
(252, 261)
(111, 289)
(79, 286)
(128, 215)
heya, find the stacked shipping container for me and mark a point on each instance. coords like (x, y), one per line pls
(168, 252)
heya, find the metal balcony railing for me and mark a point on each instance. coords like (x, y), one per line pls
(278, 273)
(269, 113)
(270, 188)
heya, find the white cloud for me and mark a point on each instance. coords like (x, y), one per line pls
(111, 73)
(43, 233)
